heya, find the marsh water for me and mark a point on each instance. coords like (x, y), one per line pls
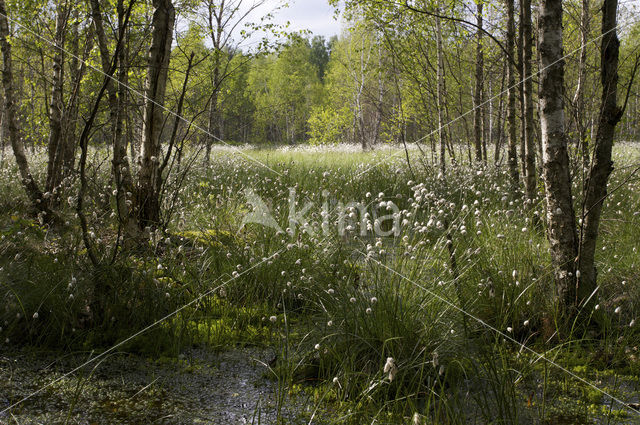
(197, 387)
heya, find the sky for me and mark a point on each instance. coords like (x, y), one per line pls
(314, 15)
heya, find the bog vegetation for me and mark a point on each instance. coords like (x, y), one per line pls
(420, 218)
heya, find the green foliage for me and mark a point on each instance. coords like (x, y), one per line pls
(284, 86)
(320, 54)
(328, 126)
(338, 306)
(335, 306)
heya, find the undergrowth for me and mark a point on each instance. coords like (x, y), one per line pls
(422, 325)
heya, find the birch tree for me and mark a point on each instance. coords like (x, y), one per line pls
(223, 18)
(65, 95)
(530, 178)
(116, 95)
(478, 115)
(29, 183)
(578, 98)
(555, 157)
(602, 167)
(440, 92)
(150, 178)
(54, 145)
(511, 99)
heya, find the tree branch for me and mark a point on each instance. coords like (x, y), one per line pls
(84, 138)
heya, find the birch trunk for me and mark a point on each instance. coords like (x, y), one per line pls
(78, 68)
(55, 145)
(216, 28)
(213, 119)
(440, 93)
(117, 100)
(120, 163)
(511, 101)
(477, 97)
(3, 129)
(529, 133)
(610, 115)
(149, 176)
(30, 185)
(560, 213)
(578, 99)
(378, 106)
(500, 114)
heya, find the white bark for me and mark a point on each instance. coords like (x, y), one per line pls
(560, 213)
(15, 137)
(149, 177)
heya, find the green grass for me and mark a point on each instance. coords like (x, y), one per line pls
(343, 304)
